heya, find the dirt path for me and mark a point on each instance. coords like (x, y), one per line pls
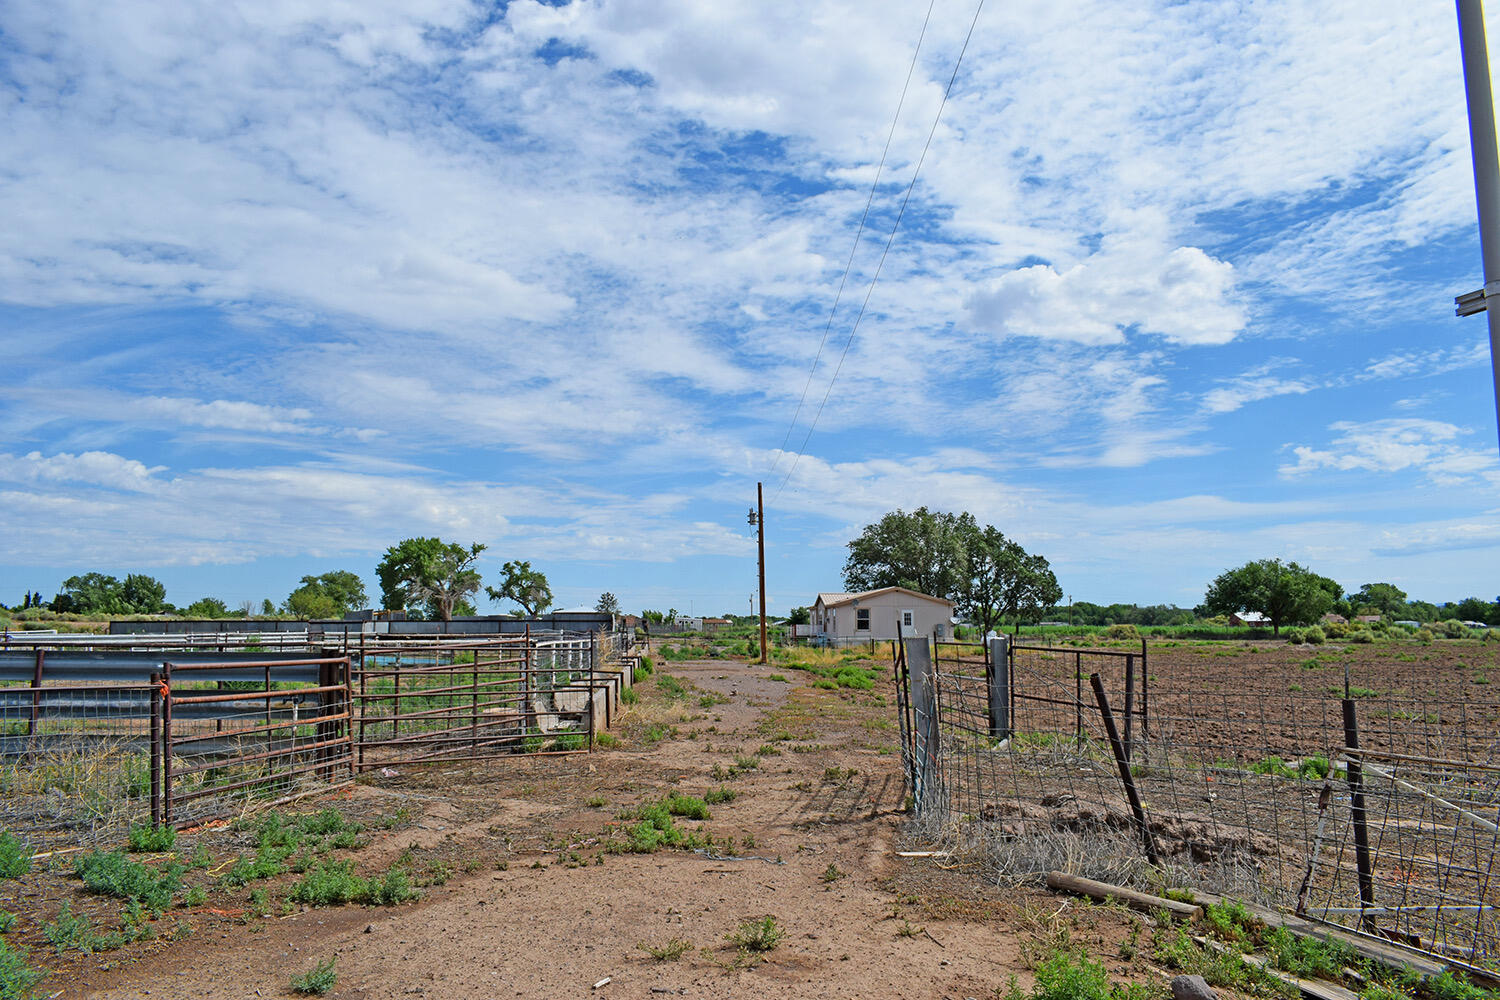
(535, 907)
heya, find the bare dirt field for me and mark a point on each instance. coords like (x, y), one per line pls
(524, 897)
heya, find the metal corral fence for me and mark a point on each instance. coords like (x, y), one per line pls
(1373, 811)
(94, 736)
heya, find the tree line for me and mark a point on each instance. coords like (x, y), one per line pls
(422, 577)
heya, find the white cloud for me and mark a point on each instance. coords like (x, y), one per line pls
(94, 468)
(1394, 445)
(1137, 279)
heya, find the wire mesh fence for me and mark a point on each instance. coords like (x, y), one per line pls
(1351, 800)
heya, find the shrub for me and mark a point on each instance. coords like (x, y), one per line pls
(721, 794)
(1425, 635)
(1316, 636)
(334, 883)
(1296, 636)
(111, 873)
(17, 977)
(15, 856)
(1122, 631)
(1362, 635)
(1454, 629)
(687, 806)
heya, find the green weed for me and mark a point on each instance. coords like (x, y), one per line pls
(668, 951)
(321, 979)
(145, 838)
(757, 935)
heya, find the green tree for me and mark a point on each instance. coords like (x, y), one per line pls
(800, 616)
(206, 607)
(1421, 611)
(89, 594)
(435, 575)
(924, 551)
(1286, 593)
(267, 609)
(1005, 581)
(331, 595)
(1386, 598)
(144, 595)
(1471, 609)
(607, 604)
(524, 585)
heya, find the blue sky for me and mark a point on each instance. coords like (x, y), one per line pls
(284, 283)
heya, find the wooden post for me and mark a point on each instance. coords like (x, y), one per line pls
(1124, 765)
(1357, 816)
(1129, 704)
(36, 689)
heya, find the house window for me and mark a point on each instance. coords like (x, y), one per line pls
(862, 620)
(908, 618)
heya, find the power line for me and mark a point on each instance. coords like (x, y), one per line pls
(889, 240)
(848, 265)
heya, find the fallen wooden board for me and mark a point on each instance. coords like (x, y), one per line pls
(1314, 988)
(1103, 891)
(1378, 951)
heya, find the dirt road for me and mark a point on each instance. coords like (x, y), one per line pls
(532, 903)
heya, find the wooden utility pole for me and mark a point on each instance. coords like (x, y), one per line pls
(758, 518)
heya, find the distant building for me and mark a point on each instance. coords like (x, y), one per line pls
(1367, 619)
(1333, 619)
(1251, 619)
(687, 623)
(631, 621)
(714, 624)
(880, 614)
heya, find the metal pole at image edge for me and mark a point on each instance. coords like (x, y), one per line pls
(760, 520)
(1475, 53)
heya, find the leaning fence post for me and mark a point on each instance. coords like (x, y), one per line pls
(1356, 780)
(1129, 704)
(1124, 764)
(155, 750)
(1000, 723)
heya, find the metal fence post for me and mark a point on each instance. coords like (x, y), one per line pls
(926, 746)
(166, 744)
(155, 750)
(1000, 725)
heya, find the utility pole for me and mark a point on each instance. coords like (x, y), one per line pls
(1475, 54)
(758, 518)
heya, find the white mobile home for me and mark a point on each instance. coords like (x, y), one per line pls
(876, 614)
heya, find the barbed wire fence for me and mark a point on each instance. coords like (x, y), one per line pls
(1375, 810)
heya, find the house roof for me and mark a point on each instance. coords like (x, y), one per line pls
(833, 600)
(1252, 616)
